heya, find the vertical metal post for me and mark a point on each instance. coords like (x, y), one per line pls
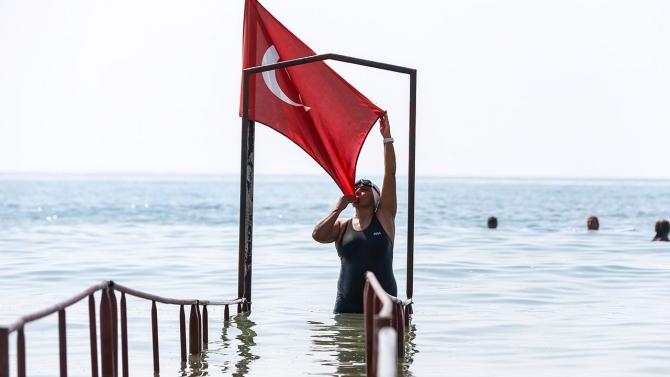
(62, 344)
(182, 332)
(205, 326)
(411, 184)
(197, 312)
(368, 314)
(193, 332)
(124, 336)
(21, 353)
(4, 352)
(399, 326)
(115, 328)
(106, 335)
(154, 336)
(93, 335)
(246, 196)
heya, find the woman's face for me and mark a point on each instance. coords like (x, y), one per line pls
(364, 195)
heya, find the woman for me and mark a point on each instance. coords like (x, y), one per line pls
(364, 242)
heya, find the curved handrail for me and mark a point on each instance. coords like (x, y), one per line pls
(386, 320)
(21, 321)
(172, 301)
(110, 315)
(387, 304)
(55, 308)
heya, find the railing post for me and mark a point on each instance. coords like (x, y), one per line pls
(62, 343)
(197, 312)
(193, 332)
(106, 335)
(182, 332)
(4, 352)
(124, 336)
(115, 328)
(21, 353)
(387, 360)
(368, 306)
(154, 335)
(376, 325)
(93, 335)
(205, 326)
(408, 313)
(399, 326)
(226, 314)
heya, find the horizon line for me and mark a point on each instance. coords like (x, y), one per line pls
(312, 175)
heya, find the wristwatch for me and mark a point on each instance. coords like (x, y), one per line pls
(388, 140)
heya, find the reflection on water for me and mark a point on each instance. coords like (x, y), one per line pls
(410, 350)
(245, 343)
(238, 365)
(341, 345)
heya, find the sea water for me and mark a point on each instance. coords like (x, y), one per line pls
(540, 295)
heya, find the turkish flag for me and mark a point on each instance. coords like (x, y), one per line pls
(310, 103)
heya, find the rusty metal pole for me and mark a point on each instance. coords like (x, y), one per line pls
(124, 336)
(106, 335)
(4, 352)
(377, 305)
(399, 326)
(408, 314)
(193, 332)
(93, 335)
(246, 197)
(197, 313)
(115, 327)
(368, 308)
(21, 353)
(62, 343)
(411, 185)
(154, 336)
(205, 326)
(182, 333)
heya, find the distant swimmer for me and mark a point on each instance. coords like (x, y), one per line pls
(364, 242)
(592, 223)
(662, 229)
(492, 222)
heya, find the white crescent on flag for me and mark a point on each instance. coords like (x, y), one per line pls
(270, 57)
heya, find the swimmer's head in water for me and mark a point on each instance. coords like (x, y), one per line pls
(592, 223)
(662, 227)
(492, 222)
(376, 193)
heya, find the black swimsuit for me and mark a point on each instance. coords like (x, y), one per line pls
(360, 251)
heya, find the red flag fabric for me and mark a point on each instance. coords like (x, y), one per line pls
(310, 103)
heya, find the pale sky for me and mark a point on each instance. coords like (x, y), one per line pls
(505, 88)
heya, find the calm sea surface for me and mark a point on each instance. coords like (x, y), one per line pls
(538, 296)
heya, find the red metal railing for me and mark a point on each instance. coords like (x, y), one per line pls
(109, 322)
(385, 316)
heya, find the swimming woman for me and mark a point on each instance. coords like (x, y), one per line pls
(662, 229)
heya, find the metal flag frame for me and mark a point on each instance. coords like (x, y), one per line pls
(247, 167)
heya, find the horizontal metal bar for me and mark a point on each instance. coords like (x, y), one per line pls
(55, 308)
(337, 57)
(172, 301)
